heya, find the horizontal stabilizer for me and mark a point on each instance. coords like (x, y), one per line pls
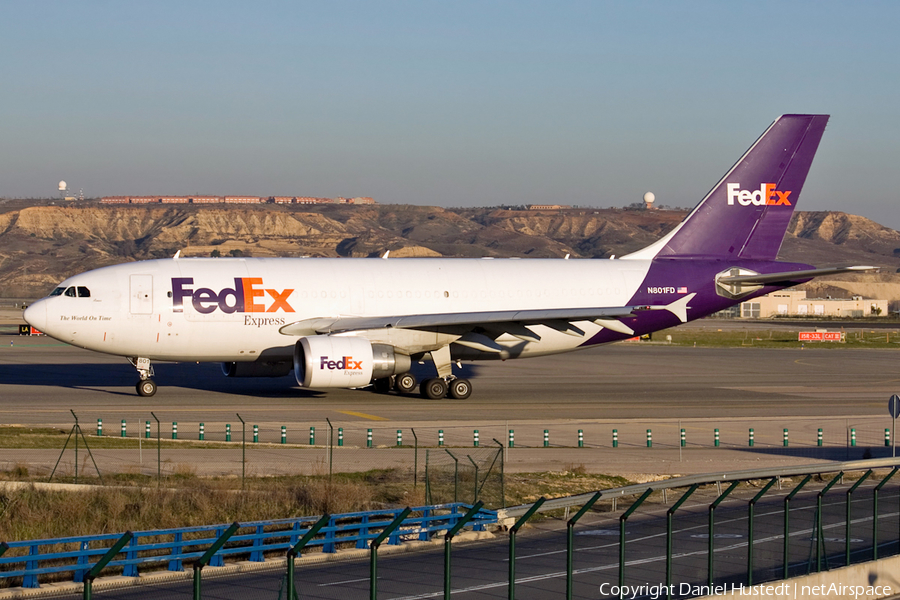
(788, 277)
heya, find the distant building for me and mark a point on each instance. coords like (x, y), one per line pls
(794, 303)
(547, 206)
(232, 200)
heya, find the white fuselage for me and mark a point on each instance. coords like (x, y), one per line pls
(231, 309)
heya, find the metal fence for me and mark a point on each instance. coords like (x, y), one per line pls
(684, 536)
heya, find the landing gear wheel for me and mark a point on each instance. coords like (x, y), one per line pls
(433, 389)
(405, 383)
(146, 387)
(460, 389)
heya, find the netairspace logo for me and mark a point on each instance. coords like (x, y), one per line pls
(791, 590)
(766, 195)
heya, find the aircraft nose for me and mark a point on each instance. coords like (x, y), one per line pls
(36, 315)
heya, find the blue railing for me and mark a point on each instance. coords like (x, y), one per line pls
(174, 547)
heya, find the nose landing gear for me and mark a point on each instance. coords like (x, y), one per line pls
(145, 386)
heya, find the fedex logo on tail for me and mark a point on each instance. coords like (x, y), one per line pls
(247, 296)
(766, 195)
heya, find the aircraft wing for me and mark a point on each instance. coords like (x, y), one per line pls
(559, 319)
(788, 277)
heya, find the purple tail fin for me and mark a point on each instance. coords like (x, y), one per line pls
(747, 213)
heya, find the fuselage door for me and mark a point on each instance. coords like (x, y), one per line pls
(141, 294)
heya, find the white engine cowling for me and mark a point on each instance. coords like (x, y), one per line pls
(324, 361)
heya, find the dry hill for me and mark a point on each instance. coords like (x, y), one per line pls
(41, 245)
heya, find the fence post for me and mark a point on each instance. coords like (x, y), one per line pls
(295, 551)
(512, 544)
(670, 516)
(210, 552)
(712, 527)
(622, 521)
(373, 551)
(570, 542)
(750, 510)
(104, 560)
(243, 449)
(787, 515)
(819, 528)
(448, 538)
(455, 475)
(849, 511)
(875, 512)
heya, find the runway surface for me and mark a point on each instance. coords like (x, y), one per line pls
(41, 379)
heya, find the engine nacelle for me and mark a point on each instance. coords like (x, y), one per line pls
(324, 361)
(260, 368)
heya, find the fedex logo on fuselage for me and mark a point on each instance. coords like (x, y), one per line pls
(346, 363)
(247, 296)
(766, 195)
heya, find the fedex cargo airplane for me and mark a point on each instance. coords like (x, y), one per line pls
(349, 323)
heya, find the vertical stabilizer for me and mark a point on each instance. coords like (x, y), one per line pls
(747, 213)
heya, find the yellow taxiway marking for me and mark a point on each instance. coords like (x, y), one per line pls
(363, 415)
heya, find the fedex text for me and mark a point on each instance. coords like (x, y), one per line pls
(766, 195)
(247, 296)
(346, 363)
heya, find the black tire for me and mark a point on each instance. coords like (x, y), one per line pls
(405, 383)
(146, 387)
(433, 389)
(383, 385)
(460, 389)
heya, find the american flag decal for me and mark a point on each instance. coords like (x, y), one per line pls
(682, 290)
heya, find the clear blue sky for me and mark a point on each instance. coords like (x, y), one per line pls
(444, 103)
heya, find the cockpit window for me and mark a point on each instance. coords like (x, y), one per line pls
(58, 291)
(83, 292)
(70, 292)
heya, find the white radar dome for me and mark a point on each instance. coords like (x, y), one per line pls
(649, 197)
(62, 186)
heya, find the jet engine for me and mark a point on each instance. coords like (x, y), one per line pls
(324, 361)
(268, 368)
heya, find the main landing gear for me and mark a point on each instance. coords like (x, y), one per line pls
(437, 388)
(145, 385)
